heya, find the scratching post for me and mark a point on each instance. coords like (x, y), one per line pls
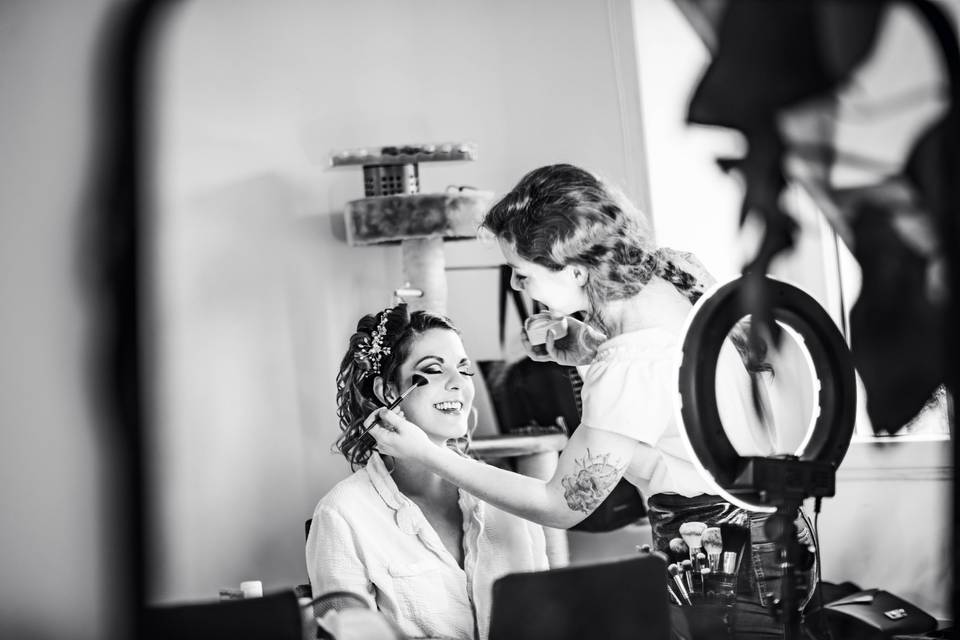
(423, 265)
(395, 211)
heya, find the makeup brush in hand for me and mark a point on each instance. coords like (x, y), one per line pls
(418, 381)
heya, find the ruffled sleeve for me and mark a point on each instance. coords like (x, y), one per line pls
(630, 396)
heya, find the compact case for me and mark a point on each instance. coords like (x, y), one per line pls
(875, 613)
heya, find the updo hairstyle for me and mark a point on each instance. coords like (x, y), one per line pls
(380, 345)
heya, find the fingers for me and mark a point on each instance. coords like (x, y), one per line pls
(378, 431)
(589, 338)
(549, 345)
(537, 353)
(525, 341)
(384, 418)
(389, 419)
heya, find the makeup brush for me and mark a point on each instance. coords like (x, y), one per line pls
(691, 532)
(687, 567)
(713, 544)
(730, 562)
(673, 597)
(735, 539)
(674, 571)
(418, 381)
(701, 562)
(679, 549)
(703, 570)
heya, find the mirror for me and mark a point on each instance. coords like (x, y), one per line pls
(253, 290)
(787, 389)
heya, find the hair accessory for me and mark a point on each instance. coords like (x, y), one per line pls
(372, 353)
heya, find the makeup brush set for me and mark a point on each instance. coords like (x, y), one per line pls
(702, 564)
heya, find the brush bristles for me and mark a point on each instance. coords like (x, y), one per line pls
(695, 528)
(711, 540)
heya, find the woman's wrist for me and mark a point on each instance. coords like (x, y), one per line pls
(432, 457)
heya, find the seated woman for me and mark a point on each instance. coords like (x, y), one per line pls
(416, 547)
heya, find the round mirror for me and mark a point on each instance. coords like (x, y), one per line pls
(808, 413)
(767, 402)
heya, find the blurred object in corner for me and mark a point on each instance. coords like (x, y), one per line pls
(856, 102)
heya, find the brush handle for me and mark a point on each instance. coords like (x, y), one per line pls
(390, 407)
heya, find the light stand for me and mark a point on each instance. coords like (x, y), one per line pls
(775, 484)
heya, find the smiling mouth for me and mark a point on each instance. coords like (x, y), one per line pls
(449, 407)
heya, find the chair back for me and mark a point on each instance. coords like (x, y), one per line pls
(275, 616)
(621, 600)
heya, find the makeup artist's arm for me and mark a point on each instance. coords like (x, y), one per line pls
(589, 468)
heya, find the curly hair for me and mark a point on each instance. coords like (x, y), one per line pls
(355, 396)
(561, 215)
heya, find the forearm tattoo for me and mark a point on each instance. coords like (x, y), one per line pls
(596, 477)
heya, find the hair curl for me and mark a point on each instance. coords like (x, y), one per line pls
(355, 396)
(560, 215)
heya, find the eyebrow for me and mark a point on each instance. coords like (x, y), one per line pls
(437, 358)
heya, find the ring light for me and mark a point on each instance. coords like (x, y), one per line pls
(758, 483)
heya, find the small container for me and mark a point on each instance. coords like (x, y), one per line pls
(539, 324)
(252, 589)
(729, 562)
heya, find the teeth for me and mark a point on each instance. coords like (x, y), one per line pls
(449, 406)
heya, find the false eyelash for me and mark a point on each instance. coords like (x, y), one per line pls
(437, 373)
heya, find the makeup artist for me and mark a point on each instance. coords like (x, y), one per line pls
(576, 244)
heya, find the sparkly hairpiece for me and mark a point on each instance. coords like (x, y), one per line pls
(372, 352)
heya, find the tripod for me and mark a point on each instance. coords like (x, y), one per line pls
(785, 482)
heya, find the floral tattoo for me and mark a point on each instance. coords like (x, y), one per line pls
(587, 488)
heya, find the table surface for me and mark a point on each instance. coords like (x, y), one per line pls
(508, 446)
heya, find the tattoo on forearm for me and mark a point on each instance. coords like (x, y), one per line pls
(587, 488)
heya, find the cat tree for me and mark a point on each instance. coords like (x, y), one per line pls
(394, 211)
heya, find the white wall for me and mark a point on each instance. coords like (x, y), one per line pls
(255, 295)
(59, 566)
(889, 525)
